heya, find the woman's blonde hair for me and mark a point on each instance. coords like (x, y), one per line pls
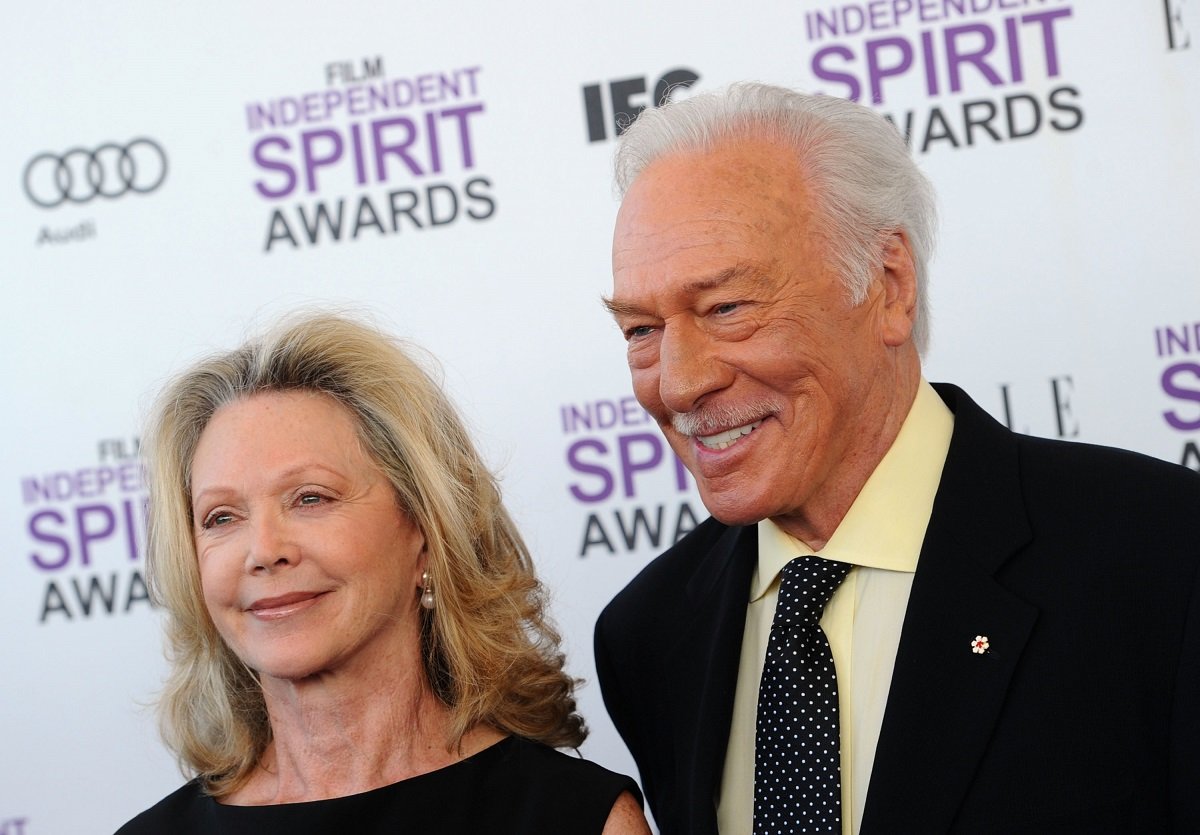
(489, 652)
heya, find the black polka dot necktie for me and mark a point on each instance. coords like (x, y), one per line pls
(797, 747)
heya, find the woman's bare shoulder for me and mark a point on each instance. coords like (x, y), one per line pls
(626, 817)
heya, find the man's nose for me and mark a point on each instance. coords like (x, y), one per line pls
(690, 367)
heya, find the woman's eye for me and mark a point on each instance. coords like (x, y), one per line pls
(311, 499)
(217, 518)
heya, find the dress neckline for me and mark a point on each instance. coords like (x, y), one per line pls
(481, 757)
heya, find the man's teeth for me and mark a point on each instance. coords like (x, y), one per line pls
(724, 440)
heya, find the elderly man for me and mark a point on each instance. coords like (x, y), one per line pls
(1009, 627)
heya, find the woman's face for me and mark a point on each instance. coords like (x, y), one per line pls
(308, 566)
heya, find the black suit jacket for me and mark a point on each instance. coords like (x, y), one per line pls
(1080, 564)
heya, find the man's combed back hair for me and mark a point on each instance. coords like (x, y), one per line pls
(490, 653)
(854, 160)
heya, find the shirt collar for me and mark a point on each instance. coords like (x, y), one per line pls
(885, 525)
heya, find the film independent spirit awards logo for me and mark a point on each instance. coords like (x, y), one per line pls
(80, 175)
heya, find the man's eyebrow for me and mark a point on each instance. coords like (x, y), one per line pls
(617, 307)
(743, 271)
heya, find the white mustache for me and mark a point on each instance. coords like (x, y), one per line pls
(708, 420)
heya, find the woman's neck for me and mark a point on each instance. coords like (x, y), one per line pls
(333, 738)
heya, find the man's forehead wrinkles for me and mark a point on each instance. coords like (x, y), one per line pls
(639, 257)
(693, 230)
(649, 249)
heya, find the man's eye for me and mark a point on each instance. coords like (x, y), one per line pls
(728, 307)
(638, 332)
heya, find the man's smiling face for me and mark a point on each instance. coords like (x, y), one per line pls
(742, 341)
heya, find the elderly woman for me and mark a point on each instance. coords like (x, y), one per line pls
(357, 637)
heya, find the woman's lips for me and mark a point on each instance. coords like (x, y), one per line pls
(281, 606)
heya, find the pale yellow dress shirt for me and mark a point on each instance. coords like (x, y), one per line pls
(881, 535)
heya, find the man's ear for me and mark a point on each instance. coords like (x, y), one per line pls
(899, 290)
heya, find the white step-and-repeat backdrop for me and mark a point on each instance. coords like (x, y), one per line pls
(176, 176)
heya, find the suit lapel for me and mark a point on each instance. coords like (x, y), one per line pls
(706, 664)
(945, 699)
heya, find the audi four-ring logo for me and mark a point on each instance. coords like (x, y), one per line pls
(110, 170)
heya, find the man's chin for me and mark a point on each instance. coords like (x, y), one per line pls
(729, 511)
